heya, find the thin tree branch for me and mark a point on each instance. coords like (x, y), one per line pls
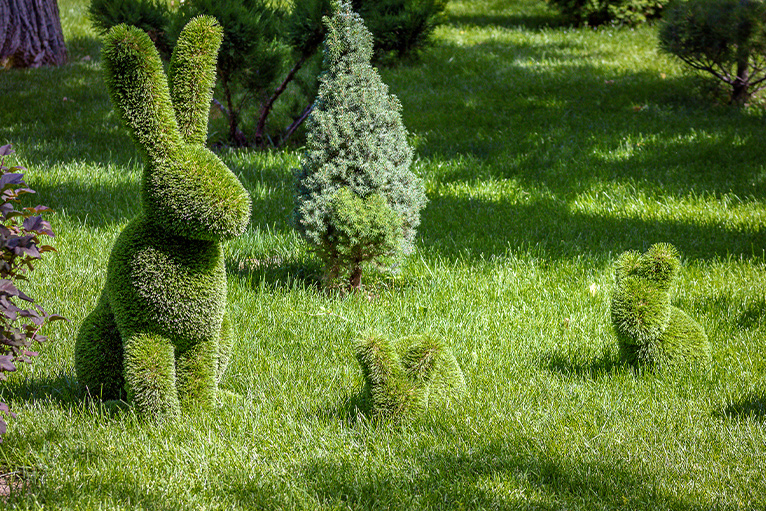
(269, 104)
(297, 122)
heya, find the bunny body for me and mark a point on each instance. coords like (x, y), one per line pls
(649, 329)
(159, 335)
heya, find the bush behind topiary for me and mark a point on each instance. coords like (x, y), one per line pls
(401, 27)
(151, 16)
(724, 38)
(599, 12)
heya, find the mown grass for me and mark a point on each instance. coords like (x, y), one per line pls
(546, 151)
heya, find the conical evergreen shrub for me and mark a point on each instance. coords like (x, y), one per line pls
(402, 377)
(357, 161)
(650, 331)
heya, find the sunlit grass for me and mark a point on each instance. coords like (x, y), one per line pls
(546, 151)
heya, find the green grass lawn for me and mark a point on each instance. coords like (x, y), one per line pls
(546, 152)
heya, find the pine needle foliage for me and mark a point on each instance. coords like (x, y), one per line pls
(401, 26)
(159, 335)
(724, 38)
(151, 16)
(356, 142)
(650, 331)
(405, 376)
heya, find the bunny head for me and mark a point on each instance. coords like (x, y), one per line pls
(641, 299)
(185, 189)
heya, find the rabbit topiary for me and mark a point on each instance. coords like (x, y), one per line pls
(403, 376)
(160, 331)
(649, 329)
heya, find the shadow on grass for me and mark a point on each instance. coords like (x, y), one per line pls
(752, 406)
(541, 113)
(93, 205)
(66, 116)
(62, 389)
(501, 13)
(533, 21)
(467, 227)
(351, 409)
(753, 316)
(82, 48)
(593, 369)
(495, 477)
(278, 272)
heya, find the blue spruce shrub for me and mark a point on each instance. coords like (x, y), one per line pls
(357, 160)
(650, 331)
(159, 335)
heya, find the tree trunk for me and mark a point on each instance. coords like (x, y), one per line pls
(355, 281)
(30, 34)
(739, 93)
(297, 122)
(236, 137)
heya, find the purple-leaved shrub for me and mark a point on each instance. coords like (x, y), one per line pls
(20, 231)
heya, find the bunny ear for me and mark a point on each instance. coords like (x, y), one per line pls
(192, 76)
(139, 90)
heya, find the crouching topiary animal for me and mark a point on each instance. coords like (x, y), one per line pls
(650, 331)
(402, 377)
(159, 335)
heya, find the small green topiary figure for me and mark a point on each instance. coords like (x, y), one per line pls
(160, 331)
(649, 329)
(403, 376)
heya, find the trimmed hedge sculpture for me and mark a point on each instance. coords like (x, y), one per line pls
(403, 376)
(160, 332)
(649, 329)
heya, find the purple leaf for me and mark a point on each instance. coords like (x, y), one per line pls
(6, 150)
(6, 363)
(33, 223)
(7, 287)
(32, 251)
(38, 209)
(11, 179)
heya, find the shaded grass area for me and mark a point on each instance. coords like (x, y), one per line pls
(546, 151)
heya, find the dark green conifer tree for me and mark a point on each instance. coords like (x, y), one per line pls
(355, 181)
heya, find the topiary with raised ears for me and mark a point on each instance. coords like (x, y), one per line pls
(650, 331)
(404, 376)
(160, 336)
